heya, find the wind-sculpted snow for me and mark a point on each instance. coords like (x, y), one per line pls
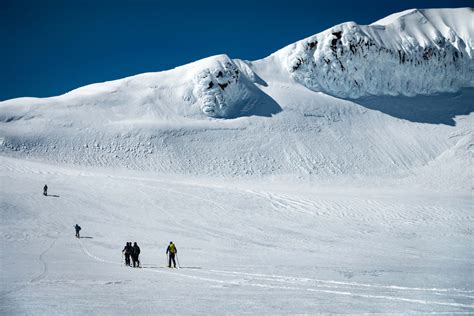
(220, 90)
(416, 53)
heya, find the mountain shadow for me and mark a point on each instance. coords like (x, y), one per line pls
(431, 109)
(258, 103)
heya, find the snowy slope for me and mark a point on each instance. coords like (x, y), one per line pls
(287, 190)
(279, 124)
(245, 247)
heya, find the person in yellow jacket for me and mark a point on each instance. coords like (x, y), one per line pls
(171, 250)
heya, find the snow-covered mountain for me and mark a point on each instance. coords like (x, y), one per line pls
(332, 177)
(284, 115)
(413, 52)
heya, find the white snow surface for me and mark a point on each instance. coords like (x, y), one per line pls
(288, 188)
(250, 247)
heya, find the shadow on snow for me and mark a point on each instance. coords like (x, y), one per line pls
(432, 109)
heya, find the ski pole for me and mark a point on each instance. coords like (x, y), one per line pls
(177, 260)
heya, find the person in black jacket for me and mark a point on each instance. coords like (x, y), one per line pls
(127, 252)
(135, 254)
(78, 229)
(45, 190)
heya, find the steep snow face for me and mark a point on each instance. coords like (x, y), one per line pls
(413, 52)
(221, 90)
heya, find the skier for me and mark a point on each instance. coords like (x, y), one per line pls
(127, 251)
(135, 254)
(77, 228)
(172, 250)
(45, 190)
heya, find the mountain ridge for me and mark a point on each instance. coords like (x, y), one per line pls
(233, 118)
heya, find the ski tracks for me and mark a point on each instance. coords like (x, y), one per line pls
(45, 264)
(331, 287)
(41, 276)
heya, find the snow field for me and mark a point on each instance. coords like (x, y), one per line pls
(244, 248)
(281, 196)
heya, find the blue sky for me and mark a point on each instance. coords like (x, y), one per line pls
(50, 47)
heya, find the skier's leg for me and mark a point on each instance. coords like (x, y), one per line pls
(174, 261)
(169, 261)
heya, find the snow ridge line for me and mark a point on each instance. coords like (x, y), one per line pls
(345, 293)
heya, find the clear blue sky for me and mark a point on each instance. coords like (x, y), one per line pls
(49, 47)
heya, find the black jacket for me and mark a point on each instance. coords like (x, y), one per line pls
(127, 250)
(135, 251)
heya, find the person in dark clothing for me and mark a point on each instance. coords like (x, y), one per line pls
(172, 250)
(77, 228)
(127, 252)
(45, 190)
(135, 254)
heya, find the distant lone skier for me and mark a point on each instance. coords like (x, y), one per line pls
(45, 190)
(78, 229)
(172, 250)
(135, 254)
(127, 251)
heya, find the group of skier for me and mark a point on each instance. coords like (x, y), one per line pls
(132, 252)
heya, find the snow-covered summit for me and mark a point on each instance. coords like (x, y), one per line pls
(408, 53)
(285, 114)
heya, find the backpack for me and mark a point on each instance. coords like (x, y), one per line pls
(172, 248)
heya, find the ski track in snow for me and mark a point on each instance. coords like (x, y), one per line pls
(204, 210)
(299, 201)
(38, 278)
(290, 203)
(45, 264)
(292, 280)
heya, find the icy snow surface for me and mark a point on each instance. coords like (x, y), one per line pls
(288, 187)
